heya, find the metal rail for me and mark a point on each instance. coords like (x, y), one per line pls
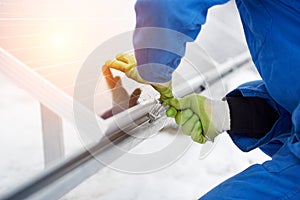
(58, 180)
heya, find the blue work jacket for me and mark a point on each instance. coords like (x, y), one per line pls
(272, 30)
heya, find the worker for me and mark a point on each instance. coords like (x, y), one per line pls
(260, 114)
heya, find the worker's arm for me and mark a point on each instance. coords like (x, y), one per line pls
(275, 134)
(294, 140)
(127, 63)
(252, 116)
(162, 29)
(159, 51)
(203, 118)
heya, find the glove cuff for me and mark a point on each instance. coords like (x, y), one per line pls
(221, 113)
(134, 74)
(220, 116)
(165, 89)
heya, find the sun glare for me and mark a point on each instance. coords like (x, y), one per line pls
(57, 41)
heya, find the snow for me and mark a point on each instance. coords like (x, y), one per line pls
(188, 178)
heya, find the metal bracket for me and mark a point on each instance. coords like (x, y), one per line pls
(156, 111)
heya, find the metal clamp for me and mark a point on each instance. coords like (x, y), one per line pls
(155, 112)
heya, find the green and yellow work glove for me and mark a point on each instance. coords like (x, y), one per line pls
(120, 98)
(201, 118)
(127, 64)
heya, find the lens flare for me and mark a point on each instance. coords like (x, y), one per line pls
(57, 41)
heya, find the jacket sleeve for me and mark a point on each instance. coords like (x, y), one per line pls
(162, 29)
(280, 132)
(294, 143)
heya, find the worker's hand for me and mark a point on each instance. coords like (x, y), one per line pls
(127, 64)
(121, 99)
(201, 118)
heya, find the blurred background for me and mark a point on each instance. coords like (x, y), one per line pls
(54, 38)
